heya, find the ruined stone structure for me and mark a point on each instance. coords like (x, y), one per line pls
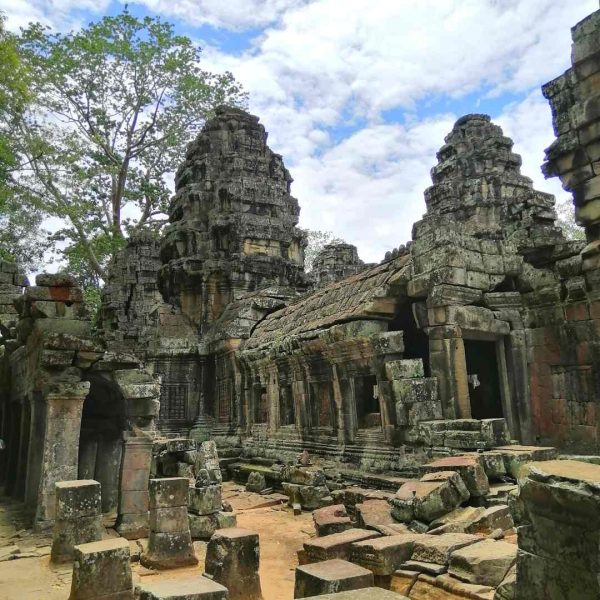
(427, 376)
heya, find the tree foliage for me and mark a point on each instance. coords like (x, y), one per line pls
(317, 240)
(21, 238)
(115, 105)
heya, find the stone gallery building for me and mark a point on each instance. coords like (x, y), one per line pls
(484, 329)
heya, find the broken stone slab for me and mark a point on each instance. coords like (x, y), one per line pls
(256, 482)
(205, 500)
(438, 548)
(428, 500)
(232, 559)
(507, 589)
(384, 555)
(457, 521)
(495, 517)
(517, 455)
(469, 467)
(371, 593)
(371, 514)
(331, 519)
(78, 517)
(402, 581)
(308, 496)
(336, 545)
(428, 568)
(195, 587)
(445, 587)
(102, 571)
(330, 576)
(485, 563)
(312, 476)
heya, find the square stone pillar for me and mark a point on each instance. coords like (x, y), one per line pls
(449, 364)
(60, 454)
(132, 521)
(78, 517)
(102, 571)
(232, 559)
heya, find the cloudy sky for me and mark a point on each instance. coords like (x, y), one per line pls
(357, 95)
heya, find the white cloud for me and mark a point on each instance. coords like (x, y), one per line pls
(58, 14)
(229, 14)
(322, 67)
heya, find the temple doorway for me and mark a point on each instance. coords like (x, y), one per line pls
(368, 412)
(484, 380)
(101, 438)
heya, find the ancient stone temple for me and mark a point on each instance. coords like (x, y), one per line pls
(401, 401)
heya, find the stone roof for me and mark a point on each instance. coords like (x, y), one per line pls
(366, 295)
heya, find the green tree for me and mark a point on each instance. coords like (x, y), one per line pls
(21, 238)
(115, 105)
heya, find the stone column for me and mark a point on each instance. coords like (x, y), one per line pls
(448, 363)
(35, 453)
(170, 543)
(60, 454)
(78, 517)
(108, 465)
(232, 559)
(132, 521)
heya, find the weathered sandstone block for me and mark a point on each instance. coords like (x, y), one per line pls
(330, 576)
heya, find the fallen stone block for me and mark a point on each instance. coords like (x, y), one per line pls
(195, 587)
(485, 563)
(331, 519)
(516, 456)
(384, 555)
(308, 496)
(457, 521)
(337, 545)
(402, 581)
(330, 576)
(102, 570)
(428, 500)
(232, 559)
(508, 588)
(495, 517)
(371, 593)
(371, 514)
(78, 517)
(438, 548)
(469, 467)
(428, 568)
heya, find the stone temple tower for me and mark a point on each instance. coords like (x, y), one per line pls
(232, 220)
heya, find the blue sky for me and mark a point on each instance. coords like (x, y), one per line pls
(357, 95)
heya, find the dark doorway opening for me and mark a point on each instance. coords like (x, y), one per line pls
(286, 405)
(322, 404)
(101, 439)
(416, 341)
(261, 405)
(366, 394)
(484, 381)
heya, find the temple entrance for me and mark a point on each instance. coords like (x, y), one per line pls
(416, 341)
(286, 406)
(484, 381)
(101, 439)
(368, 412)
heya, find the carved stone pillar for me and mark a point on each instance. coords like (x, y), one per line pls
(132, 521)
(60, 452)
(448, 364)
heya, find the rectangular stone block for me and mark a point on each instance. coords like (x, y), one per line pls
(384, 555)
(337, 545)
(195, 587)
(102, 566)
(169, 520)
(371, 593)
(438, 548)
(78, 498)
(168, 492)
(330, 576)
(205, 500)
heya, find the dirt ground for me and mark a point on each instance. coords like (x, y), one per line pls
(26, 572)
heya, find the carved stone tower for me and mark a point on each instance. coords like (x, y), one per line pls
(233, 220)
